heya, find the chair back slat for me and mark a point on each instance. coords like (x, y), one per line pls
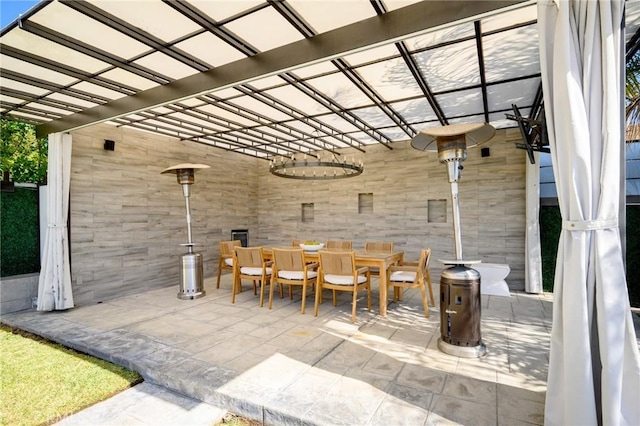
(379, 246)
(288, 260)
(249, 256)
(226, 247)
(423, 263)
(338, 244)
(337, 263)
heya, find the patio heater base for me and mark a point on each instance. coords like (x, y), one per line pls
(460, 311)
(191, 285)
(462, 351)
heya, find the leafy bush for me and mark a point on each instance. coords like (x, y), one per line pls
(23, 154)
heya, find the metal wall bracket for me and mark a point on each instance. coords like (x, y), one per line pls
(534, 133)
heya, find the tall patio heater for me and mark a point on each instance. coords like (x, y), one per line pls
(460, 303)
(191, 283)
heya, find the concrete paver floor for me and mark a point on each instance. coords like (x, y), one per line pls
(280, 367)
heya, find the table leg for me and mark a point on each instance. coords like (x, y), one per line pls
(382, 267)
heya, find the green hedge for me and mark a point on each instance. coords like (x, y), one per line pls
(20, 252)
(550, 226)
(633, 254)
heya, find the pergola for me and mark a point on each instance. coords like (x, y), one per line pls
(273, 78)
(276, 77)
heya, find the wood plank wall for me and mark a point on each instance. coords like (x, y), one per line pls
(403, 180)
(127, 220)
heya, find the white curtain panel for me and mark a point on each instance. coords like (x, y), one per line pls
(594, 366)
(533, 259)
(54, 285)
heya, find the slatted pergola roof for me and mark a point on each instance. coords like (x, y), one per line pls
(267, 78)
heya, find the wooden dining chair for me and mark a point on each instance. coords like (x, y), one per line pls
(338, 271)
(249, 264)
(338, 244)
(226, 257)
(378, 247)
(291, 268)
(409, 274)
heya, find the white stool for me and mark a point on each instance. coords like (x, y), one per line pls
(492, 278)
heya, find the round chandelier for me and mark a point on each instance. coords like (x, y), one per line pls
(317, 168)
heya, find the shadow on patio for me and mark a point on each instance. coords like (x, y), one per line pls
(279, 366)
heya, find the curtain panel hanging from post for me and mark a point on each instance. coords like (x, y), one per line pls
(533, 258)
(54, 285)
(594, 366)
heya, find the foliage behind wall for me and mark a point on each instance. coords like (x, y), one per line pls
(23, 155)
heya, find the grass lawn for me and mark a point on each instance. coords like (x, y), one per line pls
(42, 382)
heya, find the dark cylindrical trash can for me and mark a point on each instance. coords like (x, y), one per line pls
(191, 283)
(460, 312)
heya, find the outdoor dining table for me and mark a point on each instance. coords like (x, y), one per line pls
(382, 261)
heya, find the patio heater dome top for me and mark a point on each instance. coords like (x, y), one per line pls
(474, 134)
(174, 169)
(185, 173)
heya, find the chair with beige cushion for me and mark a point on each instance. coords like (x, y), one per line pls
(291, 268)
(338, 244)
(226, 257)
(249, 264)
(413, 275)
(338, 271)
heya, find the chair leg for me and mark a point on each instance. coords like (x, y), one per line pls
(234, 288)
(369, 296)
(219, 272)
(335, 299)
(255, 288)
(424, 301)
(428, 279)
(395, 292)
(304, 297)
(318, 298)
(262, 284)
(354, 303)
(271, 292)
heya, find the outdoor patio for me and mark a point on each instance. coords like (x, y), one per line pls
(282, 367)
